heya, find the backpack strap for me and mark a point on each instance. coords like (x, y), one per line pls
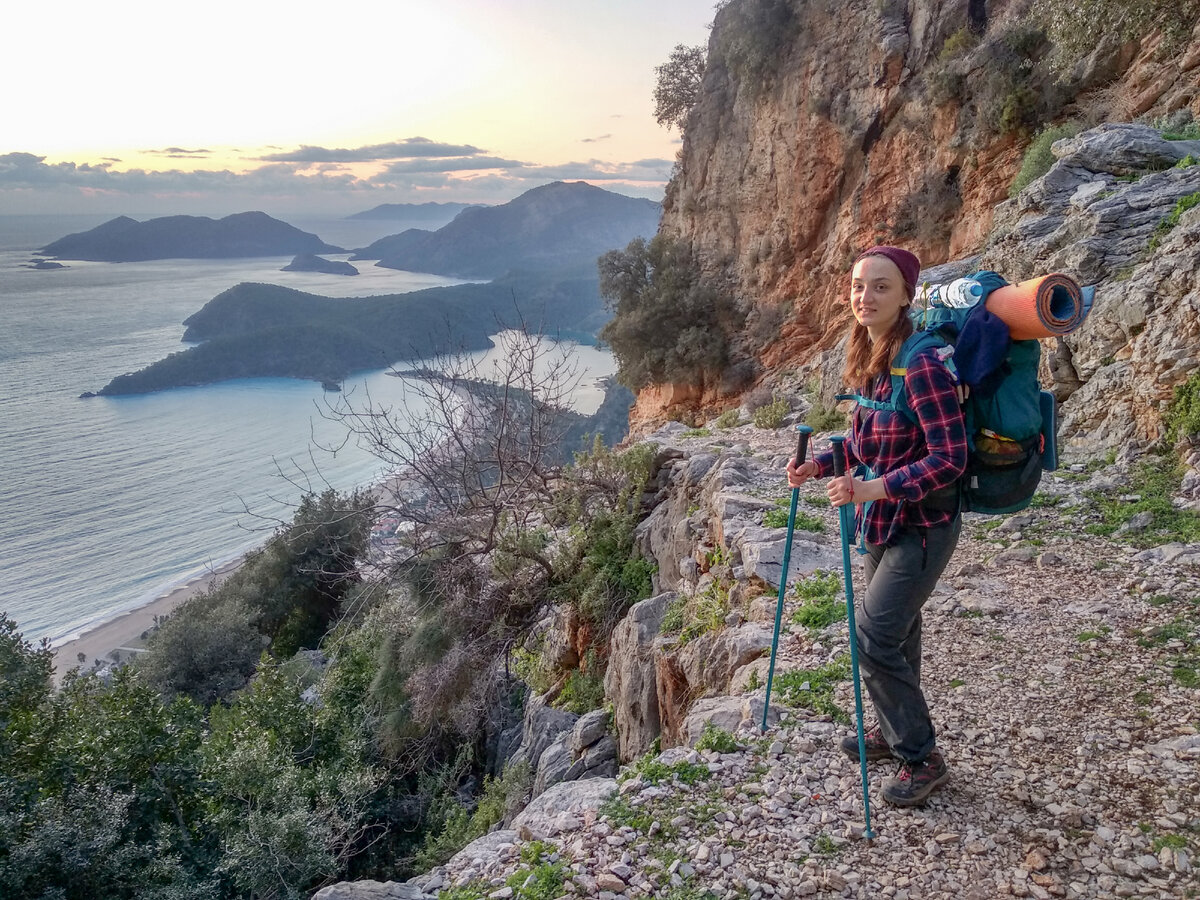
(915, 343)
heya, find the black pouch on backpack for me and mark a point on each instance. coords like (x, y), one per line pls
(1002, 475)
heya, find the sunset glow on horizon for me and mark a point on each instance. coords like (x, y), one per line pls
(208, 107)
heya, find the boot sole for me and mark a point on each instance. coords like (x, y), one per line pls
(917, 799)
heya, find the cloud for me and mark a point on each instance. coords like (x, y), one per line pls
(596, 170)
(29, 183)
(460, 164)
(409, 148)
(178, 152)
(596, 140)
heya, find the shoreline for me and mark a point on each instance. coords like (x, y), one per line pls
(123, 634)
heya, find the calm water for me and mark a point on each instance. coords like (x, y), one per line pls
(106, 503)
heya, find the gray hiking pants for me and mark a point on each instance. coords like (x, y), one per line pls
(900, 579)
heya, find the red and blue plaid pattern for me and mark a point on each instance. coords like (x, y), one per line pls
(913, 460)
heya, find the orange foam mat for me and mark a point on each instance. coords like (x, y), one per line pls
(1040, 307)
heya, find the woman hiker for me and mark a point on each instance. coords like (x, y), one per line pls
(908, 538)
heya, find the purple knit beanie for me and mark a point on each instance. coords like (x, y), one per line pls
(907, 263)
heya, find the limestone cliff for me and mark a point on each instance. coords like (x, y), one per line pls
(868, 122)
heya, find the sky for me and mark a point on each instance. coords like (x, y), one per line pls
(133, 107)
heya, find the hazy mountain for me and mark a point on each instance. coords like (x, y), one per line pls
(552, 225)
(188, 237)
(432, 214)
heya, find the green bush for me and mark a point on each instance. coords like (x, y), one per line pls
(584, 688)
(1182, 205)
(670, 323)
(825, 418)
(717, 739)
(458, 826)
(752, 39)
(1038, 156)
(778, 518)
(1155, 481)
(1076, 27)
(822, 606)
(728, 419)
(1183, 413)
(813, 688)
(771, 416)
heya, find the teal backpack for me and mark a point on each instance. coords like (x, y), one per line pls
(1011, 422)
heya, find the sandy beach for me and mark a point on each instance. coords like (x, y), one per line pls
(124, 633)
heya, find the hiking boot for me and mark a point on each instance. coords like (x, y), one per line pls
(877, 747)
(916, 781)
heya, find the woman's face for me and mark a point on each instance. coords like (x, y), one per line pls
(877, 294)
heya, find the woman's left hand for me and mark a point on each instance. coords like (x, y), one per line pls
(848, 489)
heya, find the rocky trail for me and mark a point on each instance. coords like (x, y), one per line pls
(1062, 671)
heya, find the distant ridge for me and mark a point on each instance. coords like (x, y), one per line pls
(188, 237)
(434, 213)
(550, 226)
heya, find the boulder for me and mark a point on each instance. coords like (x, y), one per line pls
(565, 806)
(631, 681)
(542, 727)
(761, 551)
(709, 661)
(728, 713)
(487, 848)
(590, 728)
(370, 890)
(552, 765)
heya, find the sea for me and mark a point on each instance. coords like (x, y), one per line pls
(107, 503)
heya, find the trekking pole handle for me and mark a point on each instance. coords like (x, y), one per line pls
(839, 455)
(805, 432)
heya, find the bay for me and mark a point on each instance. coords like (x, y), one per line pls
(106, 503)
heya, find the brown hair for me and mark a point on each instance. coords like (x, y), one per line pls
(866, 361)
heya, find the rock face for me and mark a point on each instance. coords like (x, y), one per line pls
(188, 237)
(1096, 214)
(310, 262)
(790, 169)
(630, 682)
(552, 225)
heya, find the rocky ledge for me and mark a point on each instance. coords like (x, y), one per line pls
(1061, 668)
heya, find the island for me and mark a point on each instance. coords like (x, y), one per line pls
(310, 262)
(539, 251)
(237, 236)
(263, 330)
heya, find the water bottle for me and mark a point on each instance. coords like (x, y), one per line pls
(962, 293)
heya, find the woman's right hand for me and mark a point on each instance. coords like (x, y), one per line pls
(797, 475)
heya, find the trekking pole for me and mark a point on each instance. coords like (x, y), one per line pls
(846, 523)
(801, 452)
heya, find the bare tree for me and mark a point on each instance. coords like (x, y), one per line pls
(476, 448)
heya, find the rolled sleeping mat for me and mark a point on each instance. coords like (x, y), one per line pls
(1042, 307)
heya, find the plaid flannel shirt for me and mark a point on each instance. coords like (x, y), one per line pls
(912, 460)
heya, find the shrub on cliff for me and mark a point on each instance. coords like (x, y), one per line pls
(752, 38)
(670, 322)
(677, 85)
(1077, 27)
(1038, 157)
